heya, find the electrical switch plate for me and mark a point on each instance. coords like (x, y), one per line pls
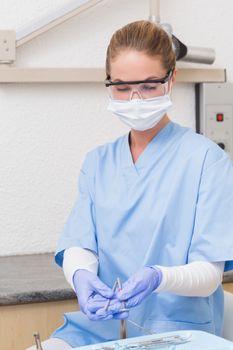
(216, 114)
(7, 46)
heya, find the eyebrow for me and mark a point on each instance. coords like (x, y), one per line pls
(149, 78)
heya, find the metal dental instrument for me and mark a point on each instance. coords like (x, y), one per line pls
(123, 323)
(143, 329)
(37, 341)
(152, 344)
(176, 339)
(109, 300)
(123, 329)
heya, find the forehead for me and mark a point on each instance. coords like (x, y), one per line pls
(136, 65)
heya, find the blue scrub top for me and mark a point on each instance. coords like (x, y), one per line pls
(174, 205)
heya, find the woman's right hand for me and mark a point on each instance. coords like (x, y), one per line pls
(89, 288)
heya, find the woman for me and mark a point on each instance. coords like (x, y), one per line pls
(154, 208)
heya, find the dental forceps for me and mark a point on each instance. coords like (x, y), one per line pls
(123, 328)
(123, 324)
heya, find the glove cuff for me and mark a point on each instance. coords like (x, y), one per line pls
(159, 275)
(77, 258)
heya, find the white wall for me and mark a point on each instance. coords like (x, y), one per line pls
(45, 130)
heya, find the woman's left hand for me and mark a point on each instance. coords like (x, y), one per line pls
(133, 292)
(139, 286)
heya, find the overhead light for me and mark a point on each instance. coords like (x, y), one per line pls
(183, 52)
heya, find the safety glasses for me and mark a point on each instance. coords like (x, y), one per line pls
(124, 90)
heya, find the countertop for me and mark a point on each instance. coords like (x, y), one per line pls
(36, 278)
(32, 278)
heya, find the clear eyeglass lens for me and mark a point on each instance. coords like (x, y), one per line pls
(144, 90)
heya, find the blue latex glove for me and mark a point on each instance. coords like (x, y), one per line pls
(88, 286)
(139, 286)
(97, 305)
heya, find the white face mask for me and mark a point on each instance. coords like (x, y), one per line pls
(141, 114)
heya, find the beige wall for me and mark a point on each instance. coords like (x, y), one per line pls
(46, 130)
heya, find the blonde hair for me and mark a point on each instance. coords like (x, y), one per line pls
(143, 36)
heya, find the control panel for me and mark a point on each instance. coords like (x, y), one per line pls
(216, 114)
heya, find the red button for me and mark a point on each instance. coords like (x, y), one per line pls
(219, 117)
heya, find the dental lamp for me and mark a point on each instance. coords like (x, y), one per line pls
(183, 52)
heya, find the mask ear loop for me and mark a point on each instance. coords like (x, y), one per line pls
(169, 88)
